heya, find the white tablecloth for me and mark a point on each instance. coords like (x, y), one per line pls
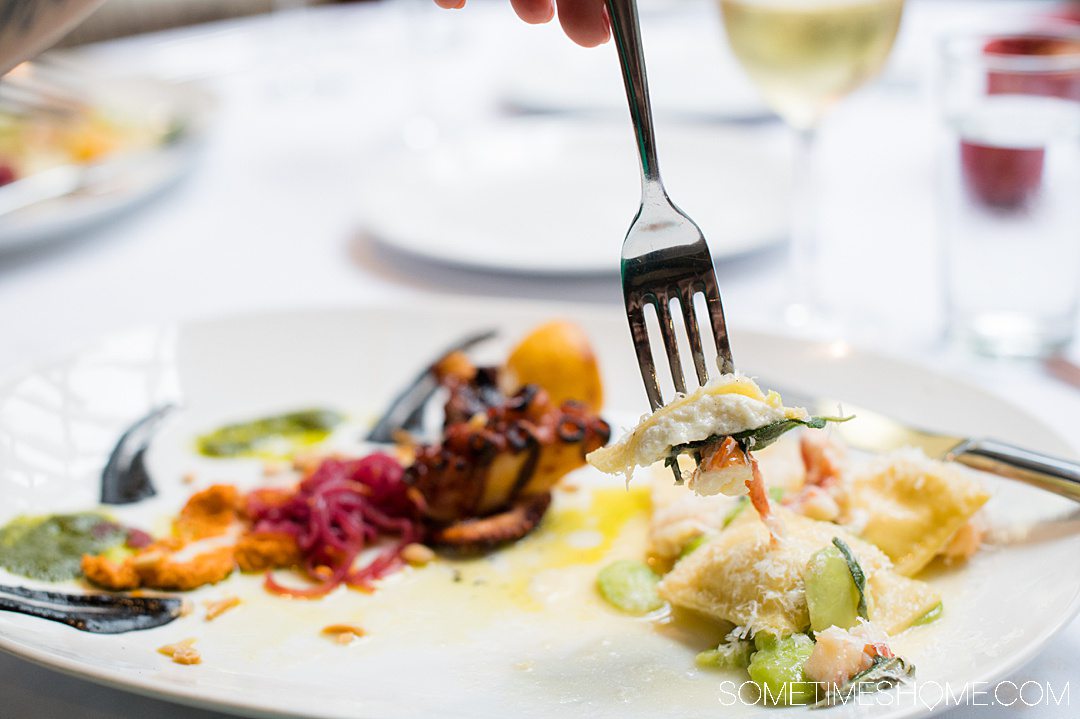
(265, 220)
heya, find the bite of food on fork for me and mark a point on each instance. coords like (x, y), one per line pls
(718, 426)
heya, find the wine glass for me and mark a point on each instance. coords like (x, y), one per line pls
(804, 55)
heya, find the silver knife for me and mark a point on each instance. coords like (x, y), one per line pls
(875, 432)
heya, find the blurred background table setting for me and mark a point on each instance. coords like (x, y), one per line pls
(179, 159)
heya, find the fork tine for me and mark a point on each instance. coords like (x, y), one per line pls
(694, 332)
(671, 342)
(719, 326)
(640, 334)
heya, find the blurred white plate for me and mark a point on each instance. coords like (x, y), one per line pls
(692, 71)
(553, 197)
(187, 106)
(545, 647)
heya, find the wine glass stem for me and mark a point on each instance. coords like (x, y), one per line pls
(803, 265)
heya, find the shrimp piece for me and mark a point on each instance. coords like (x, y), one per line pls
(822, 457)
(760, 500)
(965, 542)
(726, 468)
(837, 657)
(815, 503)
(839, 654)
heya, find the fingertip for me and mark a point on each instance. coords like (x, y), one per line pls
(534, 12)
(450, 4)
(594, 38)
(585, 21)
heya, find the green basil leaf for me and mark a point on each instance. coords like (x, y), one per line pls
(753, 439)
(857, 573)
(762, 437)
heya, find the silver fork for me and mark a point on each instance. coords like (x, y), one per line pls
(665, 260)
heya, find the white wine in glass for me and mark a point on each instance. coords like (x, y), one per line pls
(804, 55)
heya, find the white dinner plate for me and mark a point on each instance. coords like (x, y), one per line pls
(692, 71)
(486, 642)
(556, 197)
(187, 106)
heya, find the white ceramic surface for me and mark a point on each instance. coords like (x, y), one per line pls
(439, 647)
(692, 71)
(141, 178)
(556, 198)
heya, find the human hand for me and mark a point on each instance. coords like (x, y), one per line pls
(584, 21)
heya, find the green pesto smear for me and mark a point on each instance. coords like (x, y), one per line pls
(276, 437)
(50, 548)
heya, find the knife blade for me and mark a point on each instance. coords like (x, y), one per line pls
(872, 431)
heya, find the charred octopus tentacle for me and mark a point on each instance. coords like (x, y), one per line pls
(487, 533)
(488, 481)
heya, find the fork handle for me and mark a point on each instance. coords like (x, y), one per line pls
(627, 35)
(1054, 474)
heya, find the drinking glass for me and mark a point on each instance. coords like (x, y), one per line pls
(1009, 199)
(804, 56)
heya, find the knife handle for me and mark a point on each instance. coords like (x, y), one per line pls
(1054, 474)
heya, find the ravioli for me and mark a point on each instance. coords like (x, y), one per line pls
(898, 601)
(739, 578)
(910, 506)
